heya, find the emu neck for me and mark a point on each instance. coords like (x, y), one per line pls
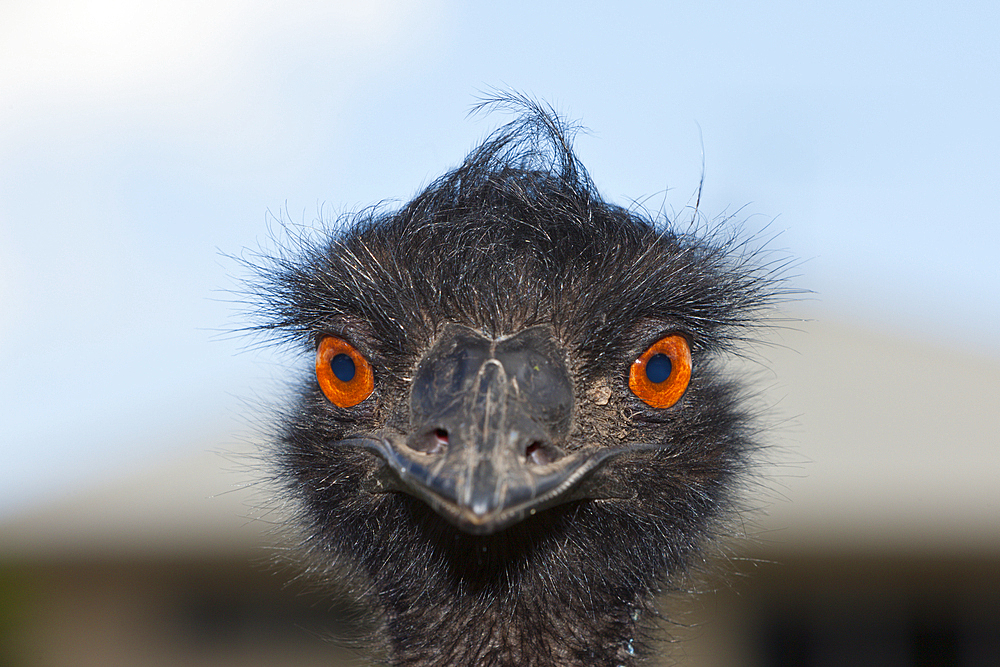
(502, 601)
(519, 631)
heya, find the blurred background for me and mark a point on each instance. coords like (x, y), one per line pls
(144, 144)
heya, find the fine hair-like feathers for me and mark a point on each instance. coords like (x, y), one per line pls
(515, 238)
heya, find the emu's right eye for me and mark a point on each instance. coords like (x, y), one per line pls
(344, 375)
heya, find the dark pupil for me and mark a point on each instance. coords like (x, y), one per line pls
(657, 368)
(343, 367)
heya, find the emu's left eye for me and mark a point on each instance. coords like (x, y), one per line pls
(661, 374)
(344, 375)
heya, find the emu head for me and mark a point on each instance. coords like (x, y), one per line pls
(516, 386)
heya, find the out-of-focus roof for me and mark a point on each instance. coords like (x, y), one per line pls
(203, 504)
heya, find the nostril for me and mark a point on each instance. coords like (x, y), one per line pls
(433, 442)
(537, 453)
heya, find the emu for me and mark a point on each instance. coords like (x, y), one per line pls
(517, 431)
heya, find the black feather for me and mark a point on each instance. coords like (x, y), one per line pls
(517, 236)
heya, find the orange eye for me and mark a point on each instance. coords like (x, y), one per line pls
(344, 375)
(661, 374)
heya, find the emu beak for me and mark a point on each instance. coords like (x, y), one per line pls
(486, 419)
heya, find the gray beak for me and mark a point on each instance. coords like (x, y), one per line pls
(487, 421)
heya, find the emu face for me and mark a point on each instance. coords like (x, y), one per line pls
(489, 439)
(516, 430)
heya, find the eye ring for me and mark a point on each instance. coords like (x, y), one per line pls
(344, 375)
(667, 360)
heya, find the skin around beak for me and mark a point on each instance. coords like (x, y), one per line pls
(487, 420)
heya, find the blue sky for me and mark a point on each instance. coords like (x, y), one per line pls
(139, 144)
